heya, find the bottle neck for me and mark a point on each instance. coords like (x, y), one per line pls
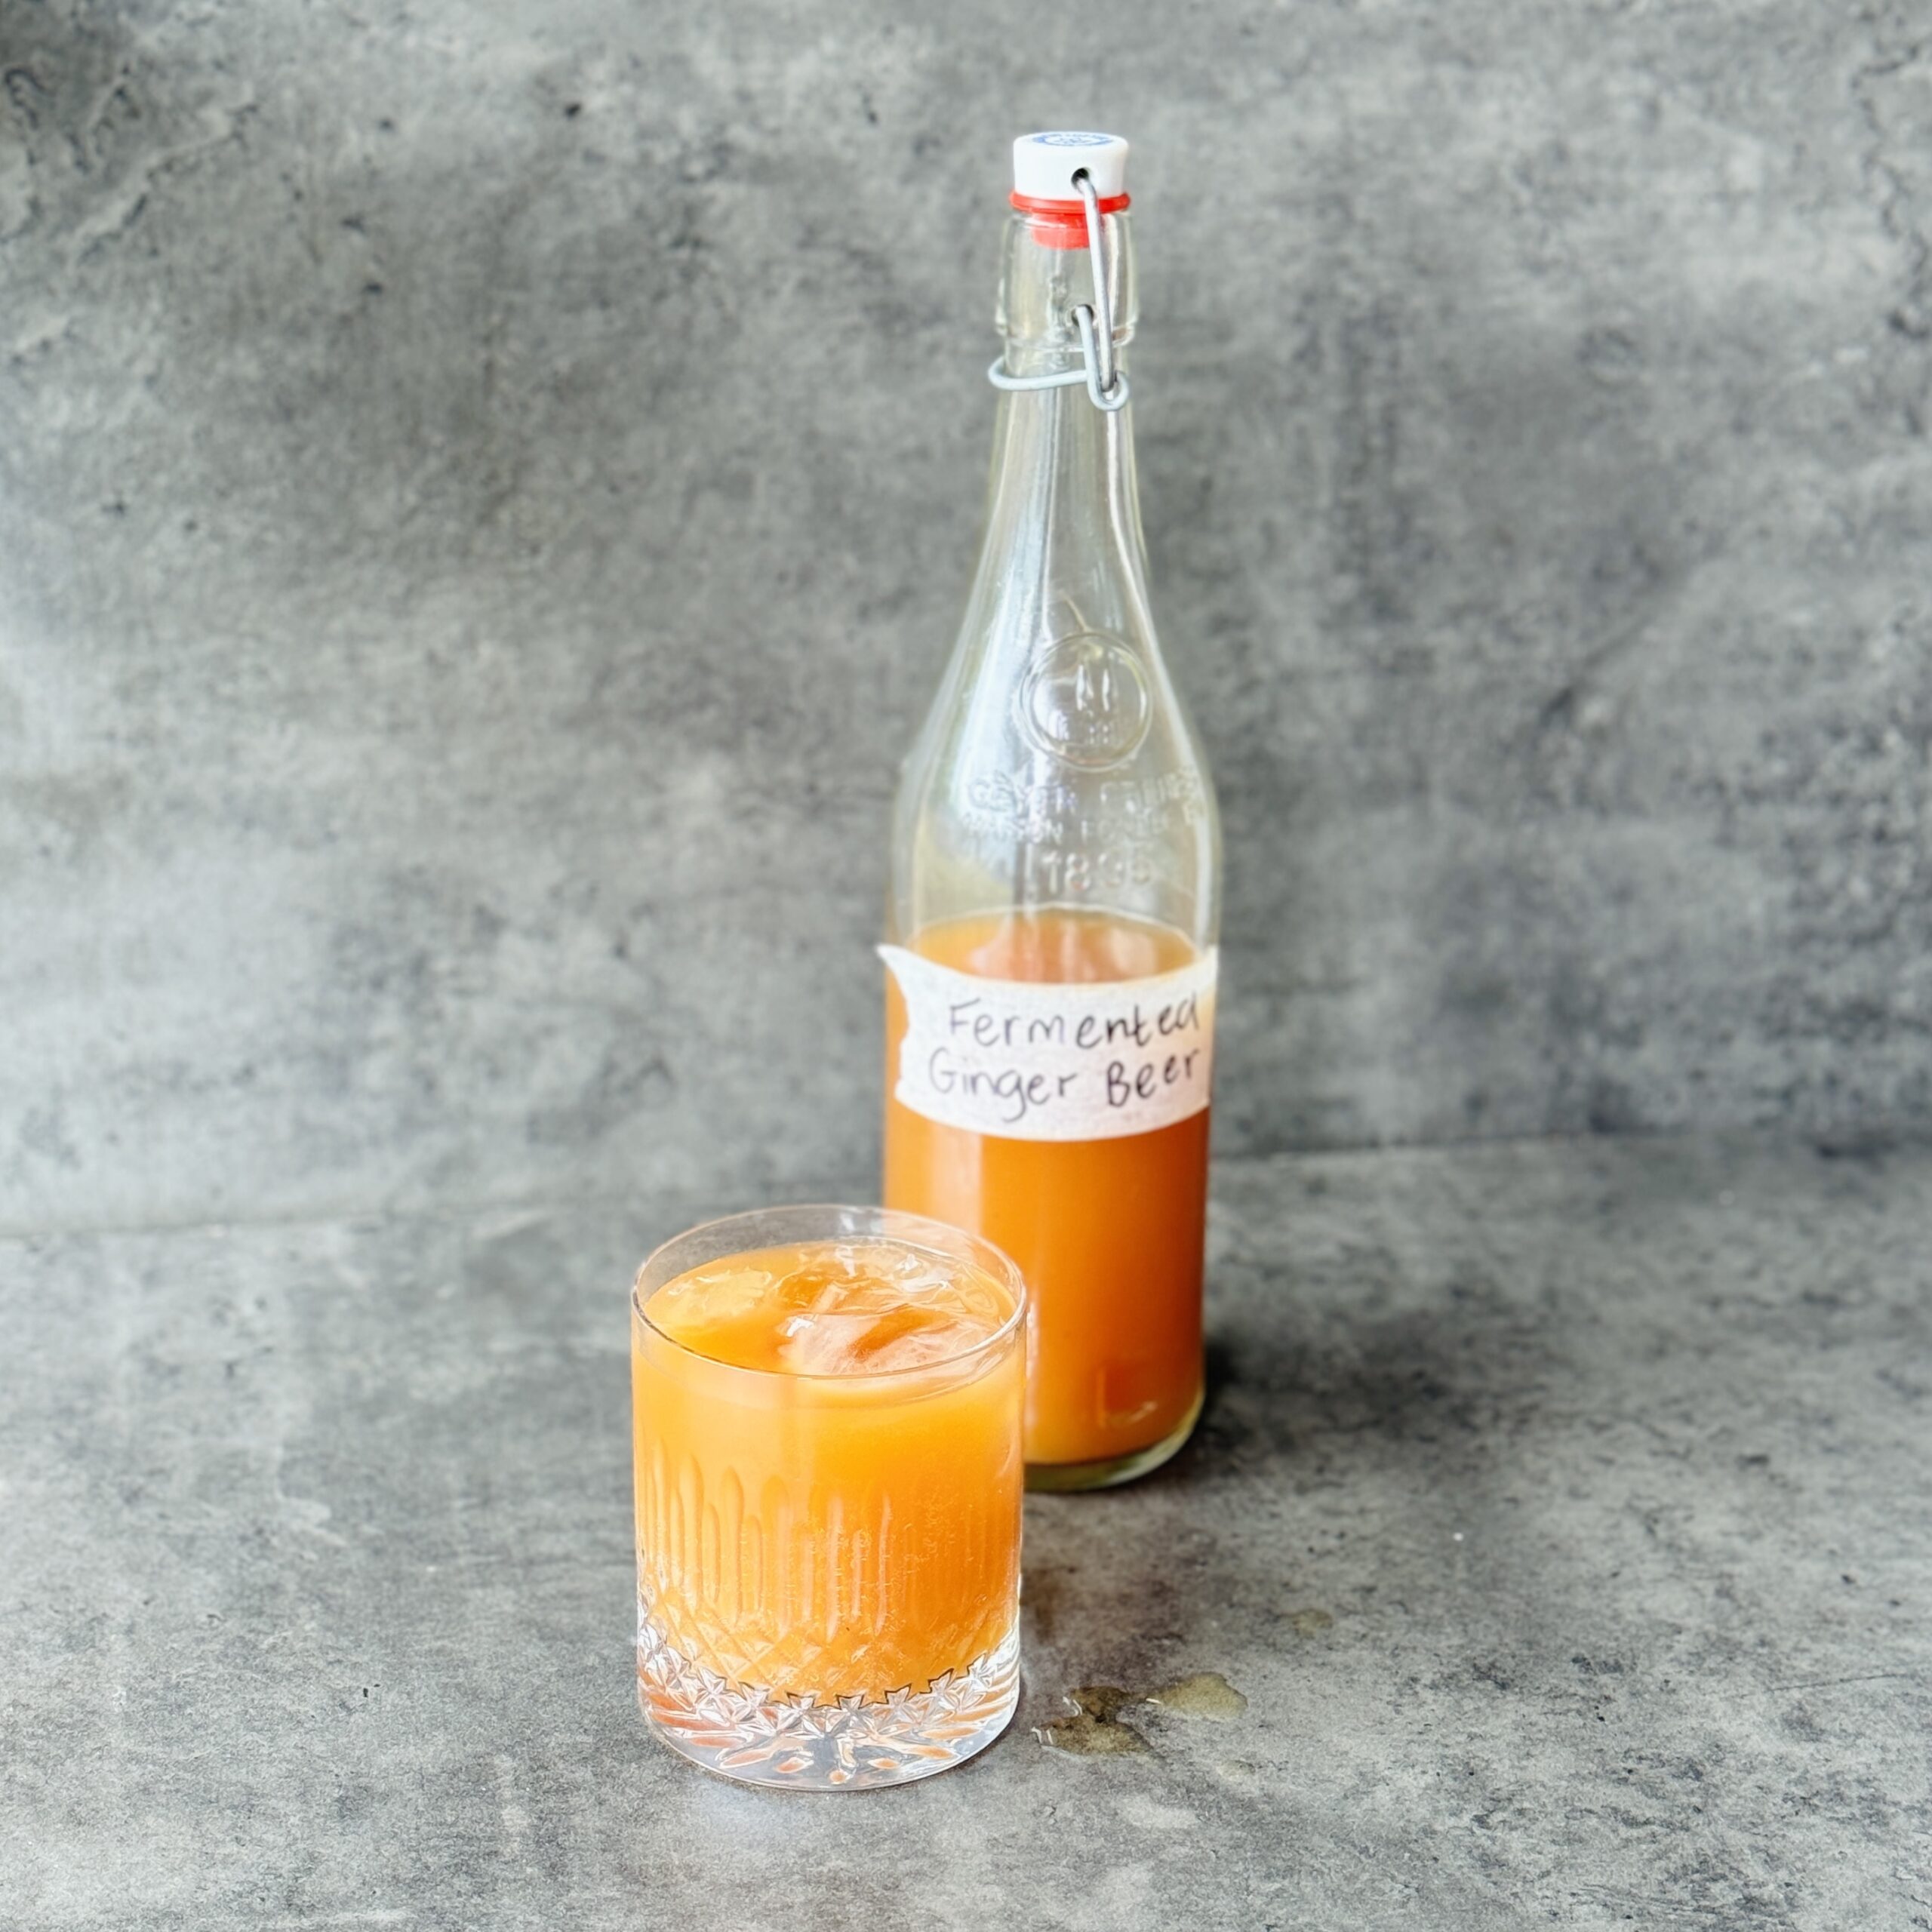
(1056, 768)
(1064, 526)
(1047, 273)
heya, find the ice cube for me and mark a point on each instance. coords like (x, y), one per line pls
(878, 1341)
(726, 1291)
(824, 1344)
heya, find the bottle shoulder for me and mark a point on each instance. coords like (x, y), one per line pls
(1068, 774)
(1058, 764)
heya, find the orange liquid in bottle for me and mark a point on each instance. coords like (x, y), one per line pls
(828, 1470)
(1108, 1234)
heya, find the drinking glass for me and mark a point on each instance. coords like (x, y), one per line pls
(828, 1405)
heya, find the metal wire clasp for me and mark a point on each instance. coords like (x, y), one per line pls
(1106, 380)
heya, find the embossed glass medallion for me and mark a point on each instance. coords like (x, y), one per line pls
(1085, 700)
(827, 1406)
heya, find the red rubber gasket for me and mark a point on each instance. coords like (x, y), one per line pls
(1059, 224)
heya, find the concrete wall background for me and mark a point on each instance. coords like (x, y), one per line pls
(485, 492)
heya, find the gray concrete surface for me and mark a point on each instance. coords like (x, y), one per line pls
(1560, 1512)
(485, 490)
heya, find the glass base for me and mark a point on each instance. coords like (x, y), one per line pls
(796, 1743)
(1111, 1470)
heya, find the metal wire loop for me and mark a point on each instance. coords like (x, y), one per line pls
(1095, 321)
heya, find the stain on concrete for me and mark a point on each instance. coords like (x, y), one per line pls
(1094, 1730)
(1206, 1694)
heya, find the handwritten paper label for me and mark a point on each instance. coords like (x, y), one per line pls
(1062, 1061)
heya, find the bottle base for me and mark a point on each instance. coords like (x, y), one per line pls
(1059, 1478)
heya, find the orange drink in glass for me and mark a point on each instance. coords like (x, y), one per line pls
(828, 1413)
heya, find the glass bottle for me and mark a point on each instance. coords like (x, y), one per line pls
(1054, 899)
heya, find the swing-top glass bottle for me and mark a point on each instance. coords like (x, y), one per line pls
(1055, 881)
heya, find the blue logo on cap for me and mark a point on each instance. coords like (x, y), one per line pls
(1073, 140)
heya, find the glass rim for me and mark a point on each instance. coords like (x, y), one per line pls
(993, 1259)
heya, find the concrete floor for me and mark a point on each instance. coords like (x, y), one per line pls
(1560, 1512)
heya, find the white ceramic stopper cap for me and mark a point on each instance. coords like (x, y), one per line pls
(1044, 165)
